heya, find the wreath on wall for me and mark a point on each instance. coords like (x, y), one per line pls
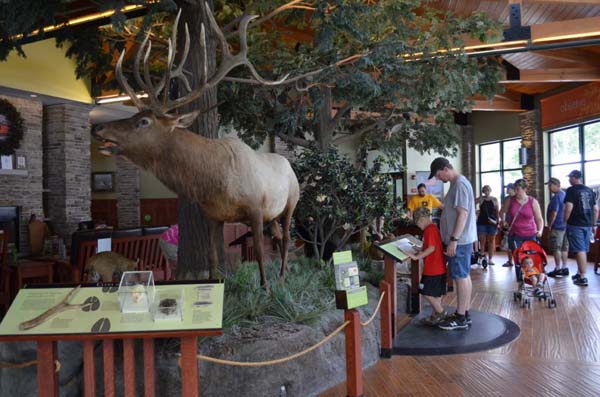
(11, 128)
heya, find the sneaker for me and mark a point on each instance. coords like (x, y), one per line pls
(454, 322)
(575, 277)
(581, 281)
(507, 264)
(564, 271)
(434, 319)
(555, 272)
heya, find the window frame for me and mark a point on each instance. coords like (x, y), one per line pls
(501, 170)
(581, 163)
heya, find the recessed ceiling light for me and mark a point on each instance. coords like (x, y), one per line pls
(33, 95)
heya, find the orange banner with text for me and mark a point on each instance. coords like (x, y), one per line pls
(571, 106)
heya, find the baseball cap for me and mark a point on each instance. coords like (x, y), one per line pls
(438, 164)
(510, 186)
(575, 174)
(553, 181)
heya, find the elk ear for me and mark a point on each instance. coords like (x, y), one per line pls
(186, 120)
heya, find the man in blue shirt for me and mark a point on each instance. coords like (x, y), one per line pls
(559, 243)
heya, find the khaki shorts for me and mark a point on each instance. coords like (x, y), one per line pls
(558, 241)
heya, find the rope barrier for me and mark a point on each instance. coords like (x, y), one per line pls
(375, 312)
(271, 362)
(4, 364)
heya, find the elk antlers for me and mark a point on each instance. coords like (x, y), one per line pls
(228, 62)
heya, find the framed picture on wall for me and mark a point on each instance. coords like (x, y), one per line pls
(103, 181)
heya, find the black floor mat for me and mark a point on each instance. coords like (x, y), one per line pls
(488, 331)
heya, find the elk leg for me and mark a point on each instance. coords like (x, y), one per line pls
(257, 233)
(214, 253)
(276, 232)
(287, 221)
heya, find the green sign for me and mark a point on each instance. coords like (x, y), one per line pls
(392, 250)
(342, 257)
(201, 308)
(357, 297)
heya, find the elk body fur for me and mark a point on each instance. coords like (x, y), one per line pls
(230, 181)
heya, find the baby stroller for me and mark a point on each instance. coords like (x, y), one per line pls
(526, 290)
(478, 257)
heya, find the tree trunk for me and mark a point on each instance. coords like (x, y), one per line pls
(196, 231)
(325, 134)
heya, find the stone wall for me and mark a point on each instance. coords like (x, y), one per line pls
(467, 152)
(127, 186)
(25, 189)
(531, 135)
(67, 166)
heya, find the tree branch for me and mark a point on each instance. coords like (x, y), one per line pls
(295, 140)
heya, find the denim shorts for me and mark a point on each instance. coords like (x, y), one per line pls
(460, 265)
(579, 238)
(489, 230)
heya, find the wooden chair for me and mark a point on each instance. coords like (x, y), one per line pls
(5, 272)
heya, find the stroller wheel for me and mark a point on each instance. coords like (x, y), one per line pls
(484, 263)
(552, 303)
(515, 297)
(529, 304)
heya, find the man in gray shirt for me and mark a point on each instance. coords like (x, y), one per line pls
(459, 232)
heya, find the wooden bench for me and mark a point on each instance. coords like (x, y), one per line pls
(145, 248)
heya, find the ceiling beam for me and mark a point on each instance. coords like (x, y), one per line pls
(556, 75)
(569, 29)
(577, 56)
(497, 104)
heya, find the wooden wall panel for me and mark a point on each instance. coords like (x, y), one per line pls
(105, 210)
(161, 211)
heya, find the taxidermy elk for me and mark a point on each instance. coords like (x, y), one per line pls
(230, 181)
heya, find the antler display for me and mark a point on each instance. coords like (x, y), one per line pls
(228, 62)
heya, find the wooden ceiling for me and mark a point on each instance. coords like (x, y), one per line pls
(530, 73)
(542, 71)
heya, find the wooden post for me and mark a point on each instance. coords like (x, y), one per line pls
(108, 359)
(415, 297)
(89, 373)
(46, 372)
(189, 366)
(129, 367)
(354, 382)
(149, 371)
(389, 264)
(386, 320)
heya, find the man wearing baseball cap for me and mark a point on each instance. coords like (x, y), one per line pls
(559, 244)
(581, 215)
(459, 232)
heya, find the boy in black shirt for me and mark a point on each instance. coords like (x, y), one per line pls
(581, 214)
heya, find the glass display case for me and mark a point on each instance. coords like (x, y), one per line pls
(168, 305)
(136, 292)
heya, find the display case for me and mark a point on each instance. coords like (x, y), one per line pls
(136, 292)
(168, 305)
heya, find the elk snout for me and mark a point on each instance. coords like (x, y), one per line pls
(96, 130)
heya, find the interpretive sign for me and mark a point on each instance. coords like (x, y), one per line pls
(399, 247)
(93, 309)
(349, 294)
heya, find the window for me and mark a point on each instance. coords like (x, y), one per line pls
(576, 148)
(499, 165)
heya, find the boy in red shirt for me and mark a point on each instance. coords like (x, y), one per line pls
(433, 281)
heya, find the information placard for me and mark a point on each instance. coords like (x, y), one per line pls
(202, 310)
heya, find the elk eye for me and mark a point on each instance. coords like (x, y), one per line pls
(144, 122)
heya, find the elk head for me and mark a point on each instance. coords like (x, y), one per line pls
(145, 133)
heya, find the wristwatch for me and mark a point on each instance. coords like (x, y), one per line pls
(452, 238)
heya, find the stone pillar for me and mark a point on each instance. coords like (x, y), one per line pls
(127, 187)
(467, 152)
(23, 188)
(67, 166)
(531, 135)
